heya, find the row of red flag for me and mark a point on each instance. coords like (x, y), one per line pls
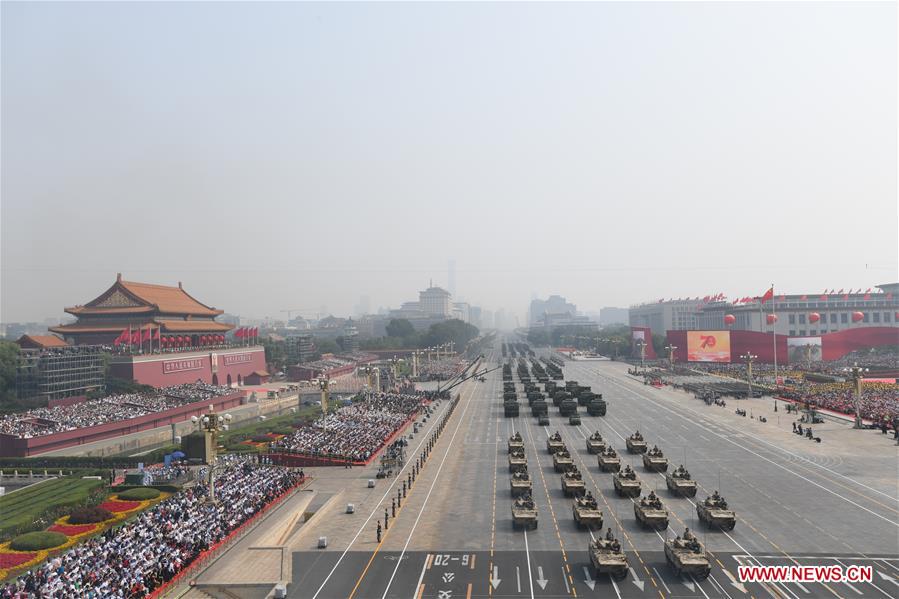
(247, 332)
(144, 335)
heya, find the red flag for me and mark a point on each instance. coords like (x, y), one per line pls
(782, 298)
(135, 337)
(867, 295)
(768, 295)
(845, 296)
(239, 333)
(824, 297)
(146, 336)
(122, 338)
(804, 297)
(156, 335)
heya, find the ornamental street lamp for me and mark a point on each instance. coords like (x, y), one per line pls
(642, 344)
(671, 349)
(857, 373)
(212, 424)
(748, 357)
(323, 385)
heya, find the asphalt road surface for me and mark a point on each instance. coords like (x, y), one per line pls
(455, 539)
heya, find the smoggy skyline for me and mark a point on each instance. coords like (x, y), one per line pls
(288, 156)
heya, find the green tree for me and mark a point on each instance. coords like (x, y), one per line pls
(454, 331)
(400, 327)
(325, 346)
(9, 360)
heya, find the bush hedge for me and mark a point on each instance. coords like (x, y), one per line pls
(139, 494)
(261, 438)
(35, 541)
(89, 515)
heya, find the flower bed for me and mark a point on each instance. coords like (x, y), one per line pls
(12, 560)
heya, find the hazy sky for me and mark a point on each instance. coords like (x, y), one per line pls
(276, 156)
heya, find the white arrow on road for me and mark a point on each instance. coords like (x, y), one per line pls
(689, 584)
(588, 580)
(494, 580)
(887, 577)
(636, 579)
(540, 580)
(735, 583)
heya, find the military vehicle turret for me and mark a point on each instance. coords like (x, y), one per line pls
(636, 444)
(562, 460)
(608, 460)
(516, 442)
(573, 482)
(687, 556)
(654, 460)
(524, 512)
(606, 557)
(586, 512)
(626, 483)
(520, 482)
(595, 443)
(554, 443)
(714, 512)
(650, 512)
(680, 483)
(517, 459)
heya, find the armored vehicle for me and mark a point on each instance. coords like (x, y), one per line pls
(609, 461)
(540, 407)
(562, 460)
(516, 442)
(713, 512)
(636, 444)
(687, 556)
(654, 460)
(586, 512)
(554, 443)
(510, 396)
(559, 397)
(517, 459)
(568, 407)
(680, 483)
(595, 443)
(573, 482)
(650, 512)
(597, 407)
(585, 397)
(510, 409)
(574, 420)
(550, 387)
(543, 419)
(626, 483)
(606, 557)
(520, 482)
(524, 512)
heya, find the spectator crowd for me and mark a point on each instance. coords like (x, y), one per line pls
(112, 408)
(879, 402)
(354, 432)
(132, 561)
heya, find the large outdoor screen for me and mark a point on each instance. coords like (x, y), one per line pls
(708, 346)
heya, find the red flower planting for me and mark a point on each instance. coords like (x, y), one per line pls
(120, 506)
(11, 560)
(72, 530)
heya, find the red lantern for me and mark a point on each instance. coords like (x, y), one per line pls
(857, 317)
(203, 340)
(179, 340)
(729, 319)
(814, 317)
(221, 338)
(771, 319)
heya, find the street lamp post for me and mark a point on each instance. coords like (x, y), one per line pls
(323, 385)
(671, 349)
(857, 373)
(212, 424)
(749, 357)
(642, 345)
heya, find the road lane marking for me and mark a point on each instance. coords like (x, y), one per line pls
(377, 507)
(425, 566)
(421, 511)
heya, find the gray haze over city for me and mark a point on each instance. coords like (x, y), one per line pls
(293, 156)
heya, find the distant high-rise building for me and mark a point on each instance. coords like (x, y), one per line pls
(554, 306)
(435, 301)
(609, 316)
(451, 277)
(475, 316)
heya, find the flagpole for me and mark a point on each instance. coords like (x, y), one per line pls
(774, 337)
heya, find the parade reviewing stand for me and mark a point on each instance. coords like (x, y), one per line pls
(353, 433)
(51, 428)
